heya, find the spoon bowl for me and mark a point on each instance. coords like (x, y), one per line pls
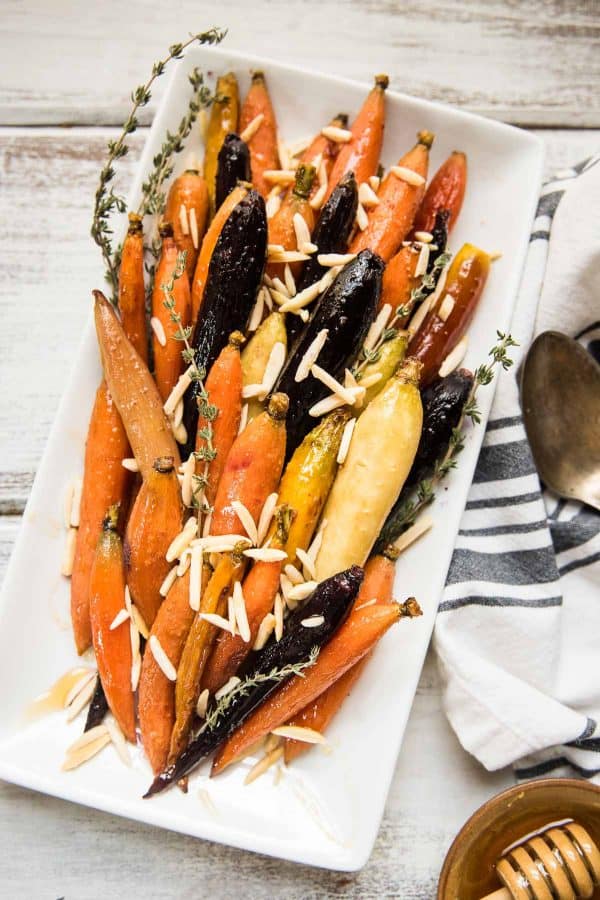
(560, 395)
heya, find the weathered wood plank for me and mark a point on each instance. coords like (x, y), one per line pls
(49, 265)
(534, 63)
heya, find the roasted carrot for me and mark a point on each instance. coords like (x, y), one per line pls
(155, 519)
(223, 119)
(259, 588)
(133, 389)
(361, 154)
(105, 482)
(168, 362)
(224, 389)
(391, 220)
(399, 279)
(251, 473)
(263, 143)
(324, 147)
(132, 291)
(187, 210)
(252, 469)
(156, 696)
(446, 191)
(446, 323)
(281, 226)
(354, 638)
(377, 585)
(208, 245)
(112, 646)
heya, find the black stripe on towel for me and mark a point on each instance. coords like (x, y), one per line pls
(513, 567)
(501, 461)
(579, 563)
(518, 528)
(548, 203)
(506, 422)
(534, 603)
(493, 502)
(550, 765)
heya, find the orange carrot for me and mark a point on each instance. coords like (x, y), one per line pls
(399, 280)
(325, 149)
(187, 209)
(378, 584)
(361, 154)
(224, 389)
(132, 291)
(391, 220)
(105, 482)
(358, 634)
(281, 226)
(156, 698)
(112, 646)
(155, 519)
(252, 469)
(208, 245)
(168, 362)
(446, 191)
(263, 143)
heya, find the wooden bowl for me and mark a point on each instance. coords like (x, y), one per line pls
(468, 870)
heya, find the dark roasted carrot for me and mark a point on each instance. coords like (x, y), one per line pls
(156, 696)
(446, 191)
(391, 220)
(155, 519)
(224, 389)
(361, 154)
(132, 290)
(112, 646)
(208, 245)
(168, 361)
(355, 637)
(223, 120)
(263, 143)
(281, 226)
(105, 482)
(187, 210)
(377, 585)
(439, 334)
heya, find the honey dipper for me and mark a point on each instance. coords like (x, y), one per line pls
(558, 862)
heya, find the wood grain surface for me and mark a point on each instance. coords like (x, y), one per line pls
(531, 63)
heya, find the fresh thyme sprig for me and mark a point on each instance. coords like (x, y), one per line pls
(208, 412)
(424, 492)
(242, 688)
(107, 201)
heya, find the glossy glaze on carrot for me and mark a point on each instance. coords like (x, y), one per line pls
(168, 362)
(132, 290)
(188, 200)
(281, 226)
(445, 191)
(263, 143)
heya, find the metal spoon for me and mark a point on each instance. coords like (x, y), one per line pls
(560, 395)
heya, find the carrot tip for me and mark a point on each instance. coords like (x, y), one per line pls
(382, 81)
(165, 229)
(426, 138)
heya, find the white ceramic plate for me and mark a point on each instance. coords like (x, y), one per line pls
(326, 809)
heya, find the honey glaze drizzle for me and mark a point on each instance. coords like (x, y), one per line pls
(55, 698)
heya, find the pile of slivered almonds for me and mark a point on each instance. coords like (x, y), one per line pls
(258, 440)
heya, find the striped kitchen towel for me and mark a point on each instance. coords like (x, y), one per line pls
(518, 630)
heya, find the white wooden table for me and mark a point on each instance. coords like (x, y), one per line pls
(534, 64)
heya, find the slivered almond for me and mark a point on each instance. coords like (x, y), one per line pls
(362, 219)
(252, 127)
(311, 355)
(183, 383)
(286, 256)
(454, 359)
(231, 614)
(89, 675)
(168, 582)
(279, 176)
(419, 317)
(302, 299)
(265, 554)
(316, 201)
(207, 800)
(273, 368)
(183, 219)
(181, 542)
(301, 231)
(326, 405)
(307, 563)
(313, 550)
(423, 261)
(250, 391)
(374, 182)
(120, 617)
(370, 380)
(202, 704)
(371, 602)
(136, 670)
(184, 563)
(207, 525)
(257, 311)
(246, 520)
(336, 134)
(162, 660)
(278, 613)
(217, 621)
(266, 515)
(421, 526)
(177, 417)
(377, 327)
(243, 418)
(159, 331)
(367, 196)
(75, 503)
(139, 622)
(273, 205)
(227, 687)
(66, 568)
(313, 622)
(195, 578)
(286, 586)
(189, 469)
(302, 591)
(263, 765)
(285, 158)
(68, 503)
(241, 616)
(265, 630)
(130, 464)
(407, 175)
(82, 698)
(289, 280)
(424, 236)
(308, 247)
(335, 259)
(333, 384)
(194, 227)
(345, 445)
(118, 739)
(446, 307)
(86, 747)
(294, 574)
(297, 733)
(134, 640)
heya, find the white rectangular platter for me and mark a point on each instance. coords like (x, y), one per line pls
(326, 809)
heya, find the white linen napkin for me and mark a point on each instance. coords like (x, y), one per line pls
(518, 631)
